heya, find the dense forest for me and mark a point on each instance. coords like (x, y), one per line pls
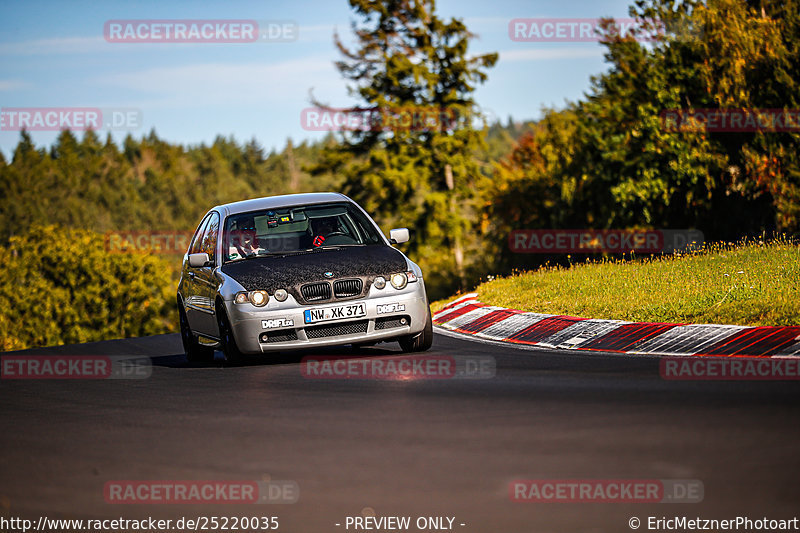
(605, 161)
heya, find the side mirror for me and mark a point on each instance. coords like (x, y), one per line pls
(198, 260)
(397, 236)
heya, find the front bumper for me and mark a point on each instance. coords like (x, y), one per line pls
(286, 328)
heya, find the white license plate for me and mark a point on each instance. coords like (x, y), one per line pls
(335, 313)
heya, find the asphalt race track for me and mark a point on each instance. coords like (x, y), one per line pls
(447, 447)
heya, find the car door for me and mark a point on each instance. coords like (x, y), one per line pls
(190, 289)
(204, 279)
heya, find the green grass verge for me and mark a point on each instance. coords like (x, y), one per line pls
(750, 283)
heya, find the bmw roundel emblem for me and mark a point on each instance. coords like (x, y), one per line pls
(328, 275)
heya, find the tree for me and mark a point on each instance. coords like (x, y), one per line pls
(60, 286)
(404, 168)
(611, 161)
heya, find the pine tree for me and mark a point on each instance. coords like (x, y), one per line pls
(414, 165)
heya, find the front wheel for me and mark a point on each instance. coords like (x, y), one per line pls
(230, 350)
(195, 352)
(422, 340)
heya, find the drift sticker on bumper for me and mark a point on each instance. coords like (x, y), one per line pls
(277, 323)
(390, 308)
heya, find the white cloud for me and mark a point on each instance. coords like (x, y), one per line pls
(546, 54)
(210, 84)
(12, 85)
(66, 45)
(322, 32)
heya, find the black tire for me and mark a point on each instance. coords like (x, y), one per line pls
(422, 340)
(195, 352)
(227, 342)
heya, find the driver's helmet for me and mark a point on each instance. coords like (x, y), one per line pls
(245, 231)
(324, 225)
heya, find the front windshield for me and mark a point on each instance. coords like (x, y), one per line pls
(296, 229)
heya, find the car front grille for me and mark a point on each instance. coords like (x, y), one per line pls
(347, 287)
(315, 292)
(333, 330)
(392, 322)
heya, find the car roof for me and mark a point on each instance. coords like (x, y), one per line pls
(285, 200)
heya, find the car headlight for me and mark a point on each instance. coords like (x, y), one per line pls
(399, 280)
(380, 282)
(281, 295)
(259, 298)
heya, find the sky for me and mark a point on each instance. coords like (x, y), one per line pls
(61, 55)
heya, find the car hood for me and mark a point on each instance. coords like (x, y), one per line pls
(290, 271)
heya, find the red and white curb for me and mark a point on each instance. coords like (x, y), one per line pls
(468, 316)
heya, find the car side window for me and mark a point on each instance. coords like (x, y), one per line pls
(196, 246)
(210, 237)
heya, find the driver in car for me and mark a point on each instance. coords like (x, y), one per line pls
(322, 229)
(243, 240)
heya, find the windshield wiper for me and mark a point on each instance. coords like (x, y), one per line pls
(297, 252)
(325, 246)
(287, 252)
